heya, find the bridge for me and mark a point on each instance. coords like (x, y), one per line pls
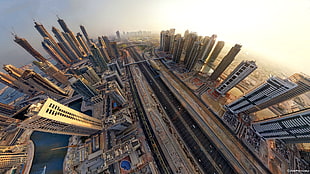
(141, 61)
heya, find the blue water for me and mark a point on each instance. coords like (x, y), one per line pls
(53, 160)
(44, 142)
(125, 165)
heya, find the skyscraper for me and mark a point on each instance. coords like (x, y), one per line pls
(72, 44)
(42, 84)
(174, 43)
(236, 76)
(85, 34)
(54, 117)
(112, 75)
(52, 43)
(34, 82)
(17, 84)
(88, 73)
(97, 60)
(108, 47)
(103, 50)
(225, 62)
(118, 35)
(12, 155)
(216, 51)
(65, 46)
(115, 49)
(49, 69)
(115, 67)
(50, 48)
(303, 86)
(24, 43)
(82, 86)
(6, 121)
(161, 42)
(171, 42)
(272, 88)
(208, 43)
(82, 42)
(6, 109)
(73, 41)
(44, 32)
(55, 55)
(116, 93)
(293, 127)
(193, 56)
(13, 71)
(178, 49)
(189, 41)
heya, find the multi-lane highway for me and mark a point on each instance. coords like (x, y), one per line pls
(158, 154)
(206, 154)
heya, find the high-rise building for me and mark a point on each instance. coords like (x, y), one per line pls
(193, 56)
(24, 43)
(178, 48)
(6, 109)
(13, 71)
(115, 49)
(236, 76)
(55, 55)
(118, 35)
(85, 34)
(117, 122)
(108, 47)
(303, 86)
(34, 82)
(272, 88)
(293, 127)
(103, 50)
(73, 41)
(162, 38)
(97, 60)
(116, 93)
(64, 45)
(54, 117)
(43, 32)
(216, 51)
(173, 44)
(6, 121)
(12, 156)
(167, 40)
(189, 41)
(50, 48)
(51, 42)
(88, 73)
(112, 75)
(17, 84)
(115, 67)
(208, 43)
(42, 84)
(49, 69)
(82, 42)
(72, 44)
(83, 87)
(225, 62)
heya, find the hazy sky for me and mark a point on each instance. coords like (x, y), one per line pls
(277, 29)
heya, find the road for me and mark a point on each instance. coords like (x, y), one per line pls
(240, 156)
(206, 154)
(158, 154)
